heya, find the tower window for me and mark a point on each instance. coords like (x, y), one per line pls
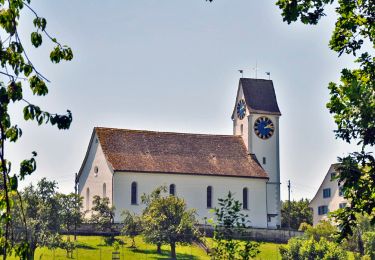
(244, 198)
(264, 160)
(172, 189)
(241, 129)
(209, 197)
(134, 193)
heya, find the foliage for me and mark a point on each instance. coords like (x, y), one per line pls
(299, 248)
(323, 229)
(352, 101)
(40, 219)
(70, 210)
(230, 221)
(369, 244)
(355, 242)
(69, 247)
(103, 216)
(18, 73)
(299, 213)
(168, 218)
(132, 226)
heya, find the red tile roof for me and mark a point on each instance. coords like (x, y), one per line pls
(162, 152)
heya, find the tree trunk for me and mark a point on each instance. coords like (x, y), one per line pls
(31, 252)
(360, 244)
(158, 249)
(173, 250)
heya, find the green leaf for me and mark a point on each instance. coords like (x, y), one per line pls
(36, 39)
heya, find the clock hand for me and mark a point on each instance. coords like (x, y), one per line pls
(270, 126)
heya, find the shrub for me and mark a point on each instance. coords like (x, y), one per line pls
(369, 244)
(300, 248)
(323, 230)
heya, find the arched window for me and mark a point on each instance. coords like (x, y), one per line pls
(87, 199)
(104, 190)
(209, 197)
(244, 198)
(134, 193)
(172, 189)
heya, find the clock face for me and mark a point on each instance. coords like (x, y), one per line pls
(241, 109)
(264, 127)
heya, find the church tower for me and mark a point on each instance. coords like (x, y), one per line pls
(256, 118)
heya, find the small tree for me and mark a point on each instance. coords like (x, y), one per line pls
(103, 216)
(167, 218)
(41, 214)
(299, 212)
(70, 213)
(132, 226)
(230, 220)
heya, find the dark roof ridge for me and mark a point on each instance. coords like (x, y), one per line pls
(162, 132)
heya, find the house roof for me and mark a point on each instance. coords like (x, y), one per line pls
(163, 152)
(259, 96)
(332, 168)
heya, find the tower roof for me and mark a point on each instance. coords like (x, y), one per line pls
(260, 96)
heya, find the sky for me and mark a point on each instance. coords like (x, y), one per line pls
(173, 66)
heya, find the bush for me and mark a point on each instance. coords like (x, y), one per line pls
(369, 244)
(300, 248)
(323, 230)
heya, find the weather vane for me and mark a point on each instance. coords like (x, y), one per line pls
(241, 71)
(256, 69)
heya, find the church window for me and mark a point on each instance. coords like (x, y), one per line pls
(326, 193)
(241, 129)
(264, 160)
(209, 197)
(172, 189)
(104, 190)
(96, 169)
(87, 199)
(322, 210)
(134, 194)
(244, 198)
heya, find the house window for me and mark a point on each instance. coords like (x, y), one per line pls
(333, 175)
(104, 190)
(322, 210)
(209, 197)
(87, 199)
(264, 160)
(342, 205)
(172, 189)
(341, 191)
(134, 194)
(326, 193)
(244, 198)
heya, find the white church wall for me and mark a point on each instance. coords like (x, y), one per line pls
(92, 183)
(193, 189)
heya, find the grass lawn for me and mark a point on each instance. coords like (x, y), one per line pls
(92, 247)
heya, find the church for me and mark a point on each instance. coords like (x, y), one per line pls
(123, 164)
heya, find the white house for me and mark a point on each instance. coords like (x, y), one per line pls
(123, 164)
(329, 197)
